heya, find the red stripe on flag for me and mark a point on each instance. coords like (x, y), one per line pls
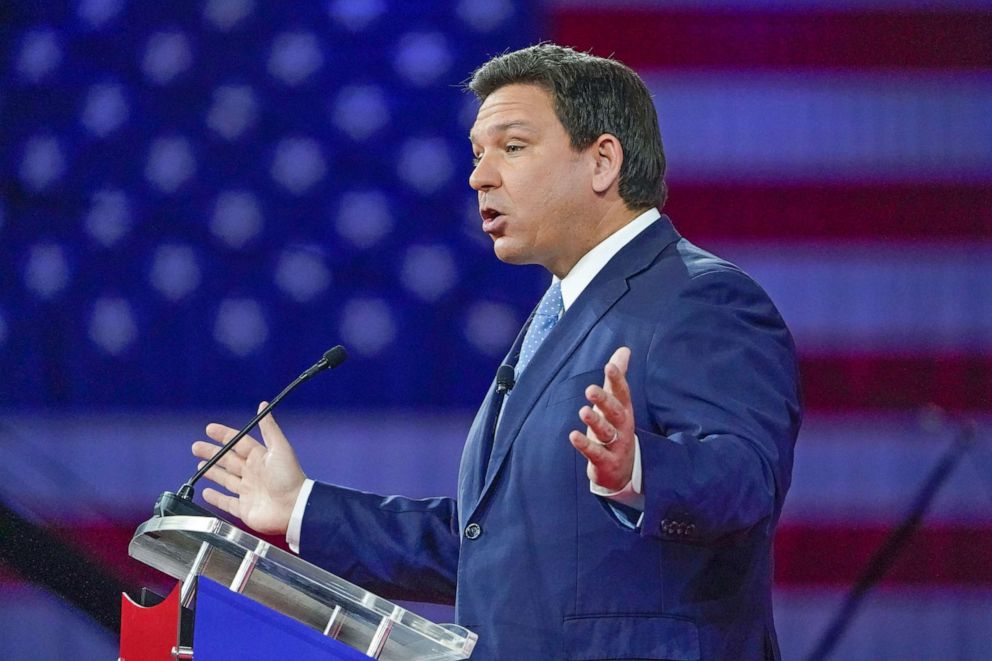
(835, 556)
(856, 211)
(850, 383)
(660, 38)
(107, 543)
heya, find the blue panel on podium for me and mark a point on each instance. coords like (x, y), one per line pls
(230, 626)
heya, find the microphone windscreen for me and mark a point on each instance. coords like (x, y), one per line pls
(505, 377)
(335, 356)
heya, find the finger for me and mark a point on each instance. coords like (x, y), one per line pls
(223, 435)
(608, 405)
(229, 504)
(621, 358)
(220, 433)
(222, 478)
(231, 461)
(616, 383)
(616, 374)
(205, 450)
(601, 428)
(588, 448)
(271, 433)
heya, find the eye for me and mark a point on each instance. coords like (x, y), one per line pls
(511, 149)
(475, 160)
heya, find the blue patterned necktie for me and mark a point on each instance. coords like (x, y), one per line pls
(548, 311)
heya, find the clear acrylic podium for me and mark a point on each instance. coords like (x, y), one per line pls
(190, 547)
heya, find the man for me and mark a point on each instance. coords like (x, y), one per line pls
(653, 540)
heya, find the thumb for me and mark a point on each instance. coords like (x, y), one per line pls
(271, 433)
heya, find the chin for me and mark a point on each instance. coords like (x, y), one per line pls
(505, 252)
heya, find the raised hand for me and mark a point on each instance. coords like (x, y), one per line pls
(265, 480)
(608, 443)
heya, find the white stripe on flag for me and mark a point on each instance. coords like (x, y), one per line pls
(848, 469)
(852, 470)
(919, 624)
(812, 126)
(876, 297)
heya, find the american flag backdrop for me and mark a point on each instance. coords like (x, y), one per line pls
(198, 199)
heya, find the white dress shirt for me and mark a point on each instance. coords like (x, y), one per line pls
(572, 285)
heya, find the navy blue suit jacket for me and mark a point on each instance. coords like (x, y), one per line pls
(556, 572)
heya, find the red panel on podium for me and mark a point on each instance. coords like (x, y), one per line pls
(148, 633)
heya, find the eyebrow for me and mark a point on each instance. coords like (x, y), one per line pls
(503, 128)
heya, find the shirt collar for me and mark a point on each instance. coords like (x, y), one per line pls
(575, 282)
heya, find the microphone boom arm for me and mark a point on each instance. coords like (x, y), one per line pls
(181, 502)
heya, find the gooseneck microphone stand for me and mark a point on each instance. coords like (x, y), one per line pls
(893, 546)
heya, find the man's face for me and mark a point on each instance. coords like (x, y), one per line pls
(532, 185)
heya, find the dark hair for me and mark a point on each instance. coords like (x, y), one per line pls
(592, 96)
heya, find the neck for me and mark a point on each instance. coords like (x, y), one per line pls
(611, 220)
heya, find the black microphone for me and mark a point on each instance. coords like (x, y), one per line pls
(505, 379)
(181, 502)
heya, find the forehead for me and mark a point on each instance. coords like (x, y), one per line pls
(524, 107)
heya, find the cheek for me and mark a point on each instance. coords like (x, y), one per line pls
(543, 197)
(559, 195)
(538, 187)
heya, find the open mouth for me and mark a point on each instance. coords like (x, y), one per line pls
(489, 215)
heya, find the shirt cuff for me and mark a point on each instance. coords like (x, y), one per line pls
(630, 495)
(296, 518)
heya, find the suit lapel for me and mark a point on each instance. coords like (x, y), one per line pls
(609, 286)
(478, 447)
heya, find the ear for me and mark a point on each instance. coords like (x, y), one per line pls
(608, 157)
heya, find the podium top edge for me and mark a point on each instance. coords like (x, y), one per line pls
(168, 543)
(200, 524)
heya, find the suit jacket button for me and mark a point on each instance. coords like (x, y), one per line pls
(473, 530)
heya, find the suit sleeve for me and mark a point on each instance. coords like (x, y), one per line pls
(399, 548)
(724, 407)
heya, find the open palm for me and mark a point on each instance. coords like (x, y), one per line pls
(264, 480)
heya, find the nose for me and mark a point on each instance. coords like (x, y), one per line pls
(484, 175)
